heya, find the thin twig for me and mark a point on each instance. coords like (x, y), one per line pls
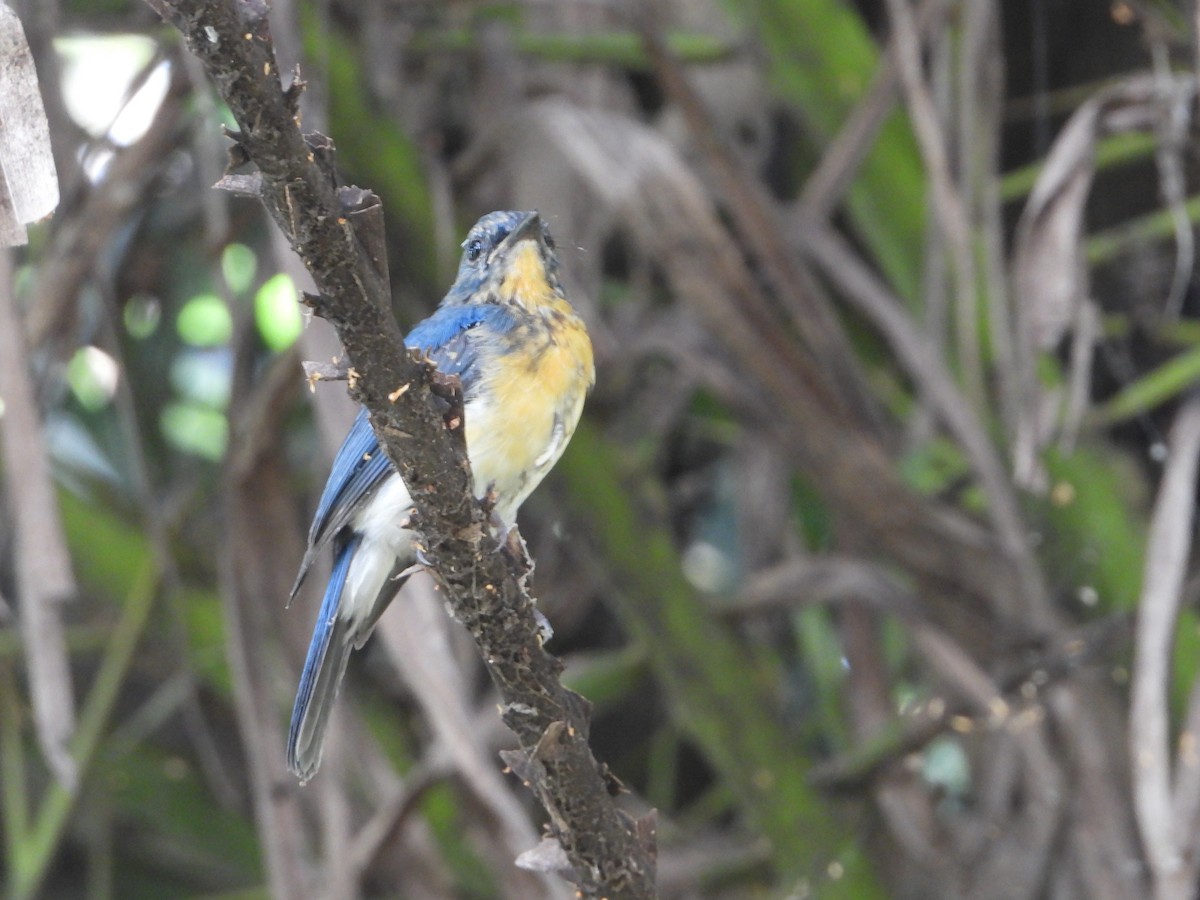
(948, 207)
(1172, 133)
(982, 106)
(44, 577)
(390, 814)
(1149, 717)
(1186, 793)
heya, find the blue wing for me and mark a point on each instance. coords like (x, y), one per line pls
(446, 337)
(358, 469)
(360, 465)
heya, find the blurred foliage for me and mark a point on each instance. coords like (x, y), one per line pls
(821, 59)
(679, 503)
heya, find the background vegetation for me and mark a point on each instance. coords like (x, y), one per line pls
(872, 551)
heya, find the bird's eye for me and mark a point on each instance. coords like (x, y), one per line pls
(547, 237)
(474, 248)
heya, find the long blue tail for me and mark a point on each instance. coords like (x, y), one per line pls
(324, 667)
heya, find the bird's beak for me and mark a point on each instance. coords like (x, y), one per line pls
(530, 227)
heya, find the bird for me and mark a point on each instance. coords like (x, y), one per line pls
(507, 330)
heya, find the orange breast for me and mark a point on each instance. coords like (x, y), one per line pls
(525, 278)
(528, 407)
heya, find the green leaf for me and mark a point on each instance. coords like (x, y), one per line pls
(206, 638)
(108, 553)
(141, 315)
(1154, 388)
(821, 651)
(443, 811)
(1186, 659)
(238, 265)
(195, 429)
(615, 48)
(277, 314)
(1107, 245)
(204, 321)
(92, 375)
(1095, 538)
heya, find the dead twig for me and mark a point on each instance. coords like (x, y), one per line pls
(948, 206)
(43, 563)
(1167, 550)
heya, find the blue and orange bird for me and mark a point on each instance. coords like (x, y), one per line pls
(507, 330)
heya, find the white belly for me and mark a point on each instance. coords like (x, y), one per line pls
(385, 539)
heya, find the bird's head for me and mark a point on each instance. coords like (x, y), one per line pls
(508, 257)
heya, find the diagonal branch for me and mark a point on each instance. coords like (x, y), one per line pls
(337, 233)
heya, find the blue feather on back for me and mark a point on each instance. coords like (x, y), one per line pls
(449, 325)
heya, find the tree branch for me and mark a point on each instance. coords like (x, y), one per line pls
(417, 418)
